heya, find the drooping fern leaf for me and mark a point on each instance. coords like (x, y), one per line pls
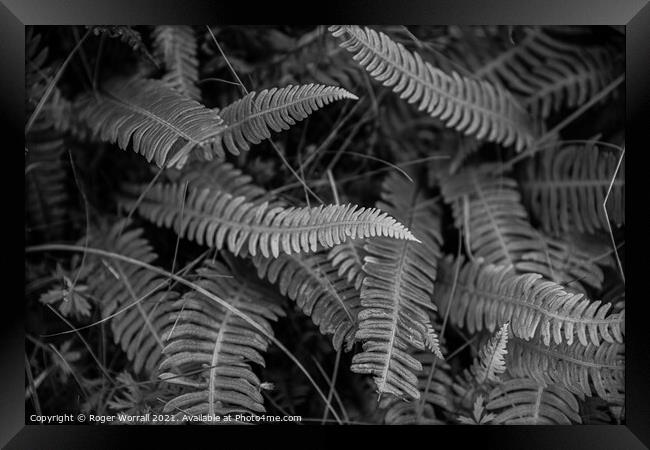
(218, 219)
(137, 301)
(473, 107)
(565, 188)
(176, 46)
(163, 125)
(522, 401)
(396, 291)
(209, 349)
(486, 296)
(318, 290)
(583, 370)
(252, 118)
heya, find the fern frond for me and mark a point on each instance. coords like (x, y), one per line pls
(565, 188)
(164, 125)
(490, 212)
(583, 370)
(490, 361)
(137, 301)
(567, 81)
(435, 396)
(209, 349)
(565, 261)
(252, 118)
(217, 219)
(318, 290)
(486, 296)
(522, 401)
(395, 292)
(348, 259)
(176, 46)
(473, 107)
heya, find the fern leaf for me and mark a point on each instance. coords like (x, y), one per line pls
(218, 219)
(473, 107)
(252, 118)
(176, 46)
(490, 212)
(487, 296)
(318, 290)
(348, 259)
(434, 395)
(209, 349)
(567, 81)
(395, 292)
(490, 361)
(164, 125)
(583, 370)
(136, 301)
(522, 401)
(565, 188)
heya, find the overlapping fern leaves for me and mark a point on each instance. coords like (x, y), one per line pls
(162, 124)
(396, 293)
(472, 107)
(571, 186)
(487, 296)
(208, 349)
(135, 300)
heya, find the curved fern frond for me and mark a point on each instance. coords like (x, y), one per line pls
(318, 290)
(176, 46)
(473, 107)
(486, 296)
(137, 301)
(490, 361)
(208, 348)
(522, 401)
(217, 219)
(348, 259)
(252, 118)
(164, 125)
(583, 370)
(396, 291)
(565, 188)
(124, 33)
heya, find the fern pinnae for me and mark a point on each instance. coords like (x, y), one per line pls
(399, 280)
(490, 361)
(212, 338)
(487, 295)
(348, 259)
(318, 290)
(218, 219)
(583, 370)
(473, 107)
(163, 125)
(176, 46)
(252, 118)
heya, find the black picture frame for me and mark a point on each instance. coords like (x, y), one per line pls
(634, 15)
